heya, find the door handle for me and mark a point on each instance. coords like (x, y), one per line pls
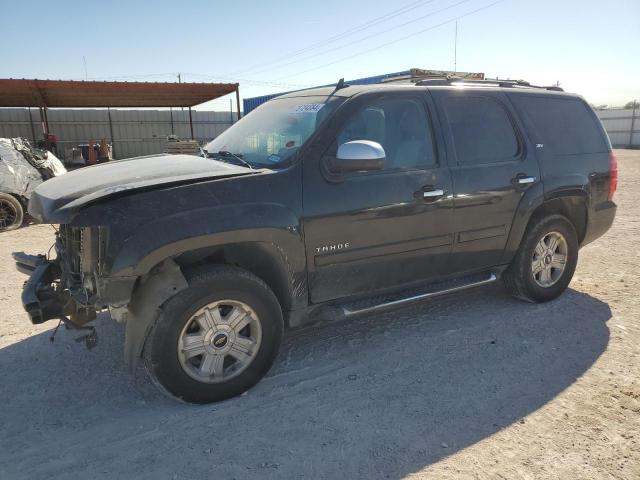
(433, 193)
(523, 179)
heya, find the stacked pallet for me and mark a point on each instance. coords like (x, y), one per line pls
(182, 147)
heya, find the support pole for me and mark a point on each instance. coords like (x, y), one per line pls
(113, 143)
(171, 114)
(43, 123)
(180, 81)
(191, 123)
(46, 123)
(238, 99)
(33, 129)
(633, 123)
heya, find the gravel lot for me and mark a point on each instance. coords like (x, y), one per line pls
(473, 386)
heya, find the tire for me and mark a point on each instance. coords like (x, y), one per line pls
(549, 282)
(11, 212)
(225, 368)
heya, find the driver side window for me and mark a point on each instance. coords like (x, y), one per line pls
(402, 128)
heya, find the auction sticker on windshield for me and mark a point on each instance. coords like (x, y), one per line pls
(307, 108)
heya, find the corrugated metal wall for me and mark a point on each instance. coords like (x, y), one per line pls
(135, 132)
(618, 124)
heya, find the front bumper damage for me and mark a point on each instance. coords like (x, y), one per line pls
(43, 296)
(40, 298)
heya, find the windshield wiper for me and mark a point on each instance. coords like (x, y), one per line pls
(224, 153)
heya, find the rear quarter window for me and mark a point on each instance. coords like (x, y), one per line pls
(566, 125)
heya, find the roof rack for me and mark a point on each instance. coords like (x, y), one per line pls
(487, 82)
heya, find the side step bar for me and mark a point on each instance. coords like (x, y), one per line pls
(350, 312)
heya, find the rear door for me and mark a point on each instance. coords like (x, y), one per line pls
(371, 231)
(573, 147)
(491, 167)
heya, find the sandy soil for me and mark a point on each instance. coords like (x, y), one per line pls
(473, 386)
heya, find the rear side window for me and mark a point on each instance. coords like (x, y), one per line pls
(482, 130)
(566, 124)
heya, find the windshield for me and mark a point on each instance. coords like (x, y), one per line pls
(271, 134)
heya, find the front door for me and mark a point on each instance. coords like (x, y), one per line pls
(366, 232)
(492, 165)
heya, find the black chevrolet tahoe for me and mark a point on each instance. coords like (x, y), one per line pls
(322, 204)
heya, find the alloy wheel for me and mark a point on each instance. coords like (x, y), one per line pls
(549, 259)
(219, 341)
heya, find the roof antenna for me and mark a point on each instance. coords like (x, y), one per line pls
(339, 85)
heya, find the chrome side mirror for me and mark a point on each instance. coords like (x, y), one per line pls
(358, 156)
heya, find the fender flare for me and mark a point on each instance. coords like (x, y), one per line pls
(533, 199)
(140, 315)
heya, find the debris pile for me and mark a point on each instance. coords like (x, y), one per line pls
(22, 169)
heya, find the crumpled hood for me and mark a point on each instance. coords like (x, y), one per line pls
(57, 198)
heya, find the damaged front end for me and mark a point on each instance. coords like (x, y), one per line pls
(65, 288)
(42, 295)
(76, 285)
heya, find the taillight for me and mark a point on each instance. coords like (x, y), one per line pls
(613, 175)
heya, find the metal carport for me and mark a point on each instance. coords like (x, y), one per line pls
(45, 94)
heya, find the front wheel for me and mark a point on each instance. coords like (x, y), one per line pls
(546, 260)
(217, 338)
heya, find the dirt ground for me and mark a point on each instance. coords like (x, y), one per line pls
(476, 385)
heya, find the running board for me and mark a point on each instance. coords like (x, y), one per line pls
(475, 281)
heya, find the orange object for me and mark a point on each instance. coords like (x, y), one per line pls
(103, 151)
(92, 153)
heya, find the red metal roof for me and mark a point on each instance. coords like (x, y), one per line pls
(77, 94)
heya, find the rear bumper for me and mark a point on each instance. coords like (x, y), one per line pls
(40, 299)
(599, 221)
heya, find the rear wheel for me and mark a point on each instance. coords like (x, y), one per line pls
(546, 261)
(11, 212)
(217, 338)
